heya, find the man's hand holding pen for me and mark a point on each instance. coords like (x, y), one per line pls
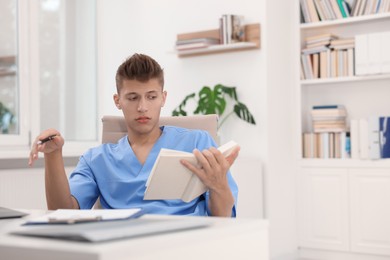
(47, 142)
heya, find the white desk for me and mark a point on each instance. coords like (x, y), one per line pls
(224, 239)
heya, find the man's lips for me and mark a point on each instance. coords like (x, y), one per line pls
(143, 119)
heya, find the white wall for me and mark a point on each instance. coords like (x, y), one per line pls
(24, 188)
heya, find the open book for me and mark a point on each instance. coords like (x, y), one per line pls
(169, 179)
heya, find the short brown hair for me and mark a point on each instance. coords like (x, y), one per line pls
(139, 67)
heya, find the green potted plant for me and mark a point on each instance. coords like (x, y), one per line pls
(214, 101)
(6, 119)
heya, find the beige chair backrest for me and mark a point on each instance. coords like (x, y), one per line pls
(114, 127)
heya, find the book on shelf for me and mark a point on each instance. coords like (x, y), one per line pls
(329, 107)
(344, 43)
(195, 43)
(355, 144)
(169, 179)
(198, 40)
(232, 28)
(332, 61)
(372, 53)
(384, 136)
(326, 145)
(370, 137)
(323, 10)
(329, 118)
(329, 112)
(325, 37)
(313, 50)
(336, 9)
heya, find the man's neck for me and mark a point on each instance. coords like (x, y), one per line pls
(144, 139)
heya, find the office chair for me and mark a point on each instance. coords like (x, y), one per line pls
(114, 128)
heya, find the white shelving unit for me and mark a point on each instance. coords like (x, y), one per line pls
(334, 202)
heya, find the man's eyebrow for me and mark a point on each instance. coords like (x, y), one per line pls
(131, 93)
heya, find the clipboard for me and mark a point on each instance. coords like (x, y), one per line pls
(102, 231)
(75, 216)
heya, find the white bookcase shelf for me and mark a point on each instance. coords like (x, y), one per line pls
(336, 196)
(346, 21)
(344, 163)
(345, 79)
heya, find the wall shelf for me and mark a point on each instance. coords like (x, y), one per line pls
(252, 41)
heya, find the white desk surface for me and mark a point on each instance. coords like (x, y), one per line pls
(241, 238)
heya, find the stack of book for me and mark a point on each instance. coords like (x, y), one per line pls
(330, 118)
(329, 138)
(318, 43)
(327, 56)
(196, 43)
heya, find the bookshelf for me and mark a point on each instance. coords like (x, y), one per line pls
(340, 201)
(252, 42)
(368, 90)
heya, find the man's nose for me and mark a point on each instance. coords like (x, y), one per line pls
(142, 107)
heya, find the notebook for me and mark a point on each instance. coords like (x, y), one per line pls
(10, 213)
(112, 230)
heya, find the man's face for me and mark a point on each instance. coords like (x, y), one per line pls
(141, 104)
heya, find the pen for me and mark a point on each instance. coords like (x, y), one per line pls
(47, 139)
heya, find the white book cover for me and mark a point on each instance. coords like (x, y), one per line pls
(351, 62)
(373, 138)
(355, 146)
(343, 146)
(325, 145)
(363, 138)
(385, 52)
(361, 54)
(375, 53)
(169, 179)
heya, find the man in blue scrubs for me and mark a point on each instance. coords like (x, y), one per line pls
(117, 173)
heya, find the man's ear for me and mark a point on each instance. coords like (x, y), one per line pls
(116, 101)
(164, 98)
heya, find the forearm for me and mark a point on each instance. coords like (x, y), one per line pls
(56, 183)
(221, 203)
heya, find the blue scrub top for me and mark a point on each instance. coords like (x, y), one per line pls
(113, 172)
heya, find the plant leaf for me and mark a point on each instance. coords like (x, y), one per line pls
(242, 112)
(179, 110)
(230, 91)
(210, 101)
